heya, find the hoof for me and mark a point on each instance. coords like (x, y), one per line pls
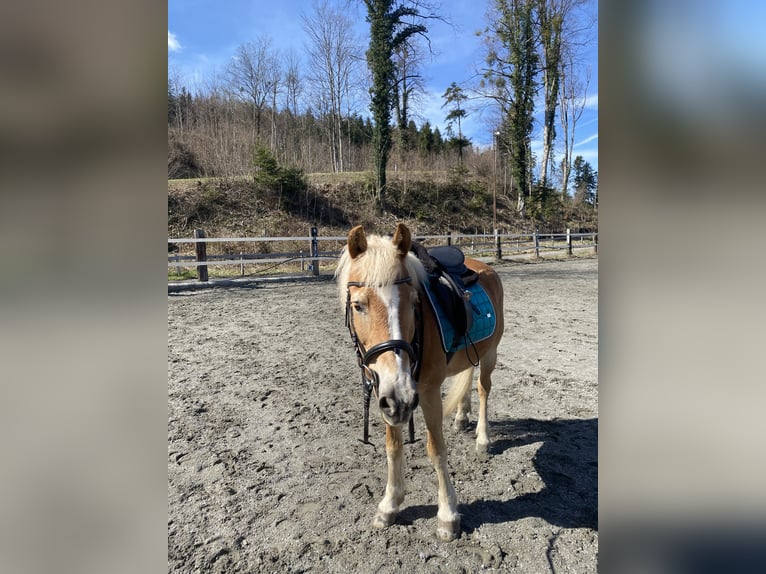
(461, 423)
(482, 450)
(448, 530)
(384, 520)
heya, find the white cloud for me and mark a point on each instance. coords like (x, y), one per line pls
(591, 102)
(173, 44)
(587, 140)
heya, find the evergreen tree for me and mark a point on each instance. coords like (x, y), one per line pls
(551, 19)
(412, 135)
(389, 29)
(438, 142)
(455, 96)
(180, 107)
(425, 139)
(585, 182)
(512, 67)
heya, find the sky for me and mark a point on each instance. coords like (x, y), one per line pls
(203, 36)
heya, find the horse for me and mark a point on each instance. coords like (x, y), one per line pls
(380, 284)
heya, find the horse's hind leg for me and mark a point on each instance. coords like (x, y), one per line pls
(388, 509)
(463, 410)
(463, 381)
(448, 518)
(488, 362)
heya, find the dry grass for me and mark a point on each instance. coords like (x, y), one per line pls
(430, 202)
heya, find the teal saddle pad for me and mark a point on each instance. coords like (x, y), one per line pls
(484, 319)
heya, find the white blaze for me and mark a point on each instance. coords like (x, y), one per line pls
(390, 298)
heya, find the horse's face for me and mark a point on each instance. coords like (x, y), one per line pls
(383, 313)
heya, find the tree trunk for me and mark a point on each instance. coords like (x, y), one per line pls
(550, 19)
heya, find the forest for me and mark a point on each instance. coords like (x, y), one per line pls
(349, 105)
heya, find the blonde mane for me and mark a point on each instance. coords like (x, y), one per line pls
(378, 265)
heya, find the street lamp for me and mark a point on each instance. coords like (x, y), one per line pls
(494, 180)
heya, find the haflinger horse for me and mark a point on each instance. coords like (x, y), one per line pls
(380, 284)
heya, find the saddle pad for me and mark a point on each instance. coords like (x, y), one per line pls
(484, 320)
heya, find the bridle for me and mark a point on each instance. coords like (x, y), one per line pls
(364, 356)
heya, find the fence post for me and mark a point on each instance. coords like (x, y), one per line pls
(569, 242)
(314, 251)
(201, 250)
(537, 244)
(498, 246)
(595, 243)
(449, 238)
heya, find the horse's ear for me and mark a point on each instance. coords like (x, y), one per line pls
(357, 242)
(402, 239)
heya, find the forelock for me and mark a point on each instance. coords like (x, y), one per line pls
(378, 265)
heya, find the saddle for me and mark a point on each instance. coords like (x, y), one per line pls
(449, 278)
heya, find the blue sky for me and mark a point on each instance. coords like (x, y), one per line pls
(203, 36)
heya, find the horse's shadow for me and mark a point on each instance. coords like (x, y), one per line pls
(567, 463)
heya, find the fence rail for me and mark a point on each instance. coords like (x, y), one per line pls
(498, 246)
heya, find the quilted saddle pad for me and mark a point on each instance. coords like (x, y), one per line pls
(484, 320)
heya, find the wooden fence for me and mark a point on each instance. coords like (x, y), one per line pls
(305, 254)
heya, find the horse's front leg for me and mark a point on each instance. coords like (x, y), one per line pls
(388, 509)
(448, 518)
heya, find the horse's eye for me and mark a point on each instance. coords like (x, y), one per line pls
(358, 307)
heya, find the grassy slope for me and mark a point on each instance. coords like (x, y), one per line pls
(236, 207)
(427, 202)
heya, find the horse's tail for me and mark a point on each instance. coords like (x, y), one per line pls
(460, 386)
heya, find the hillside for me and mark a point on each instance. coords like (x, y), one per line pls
(427, 202)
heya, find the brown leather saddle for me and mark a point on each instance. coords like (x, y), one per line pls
(449, 277)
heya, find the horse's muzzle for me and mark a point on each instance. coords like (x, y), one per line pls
(394, 388)
(396, 412)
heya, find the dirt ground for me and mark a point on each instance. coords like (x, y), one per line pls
(267, 473)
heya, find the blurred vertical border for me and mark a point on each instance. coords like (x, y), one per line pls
(682, 308)
(83, 404)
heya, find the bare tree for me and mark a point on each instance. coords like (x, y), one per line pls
(510, 80)
(276, 86)
(253, 75)
(563, 27)
(293, 82)
(408, 87)
(333, 66)
(571, 105)
(293, 91)
(179, 100)
(550, 15)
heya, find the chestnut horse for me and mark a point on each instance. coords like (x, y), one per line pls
(380, 284)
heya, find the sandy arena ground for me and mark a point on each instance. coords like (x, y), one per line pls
(267, 473)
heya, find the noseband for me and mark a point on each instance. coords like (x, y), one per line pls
(365, 356)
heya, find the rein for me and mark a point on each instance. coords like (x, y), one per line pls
(364, 356)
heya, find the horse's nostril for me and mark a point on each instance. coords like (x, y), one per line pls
(383, 404)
